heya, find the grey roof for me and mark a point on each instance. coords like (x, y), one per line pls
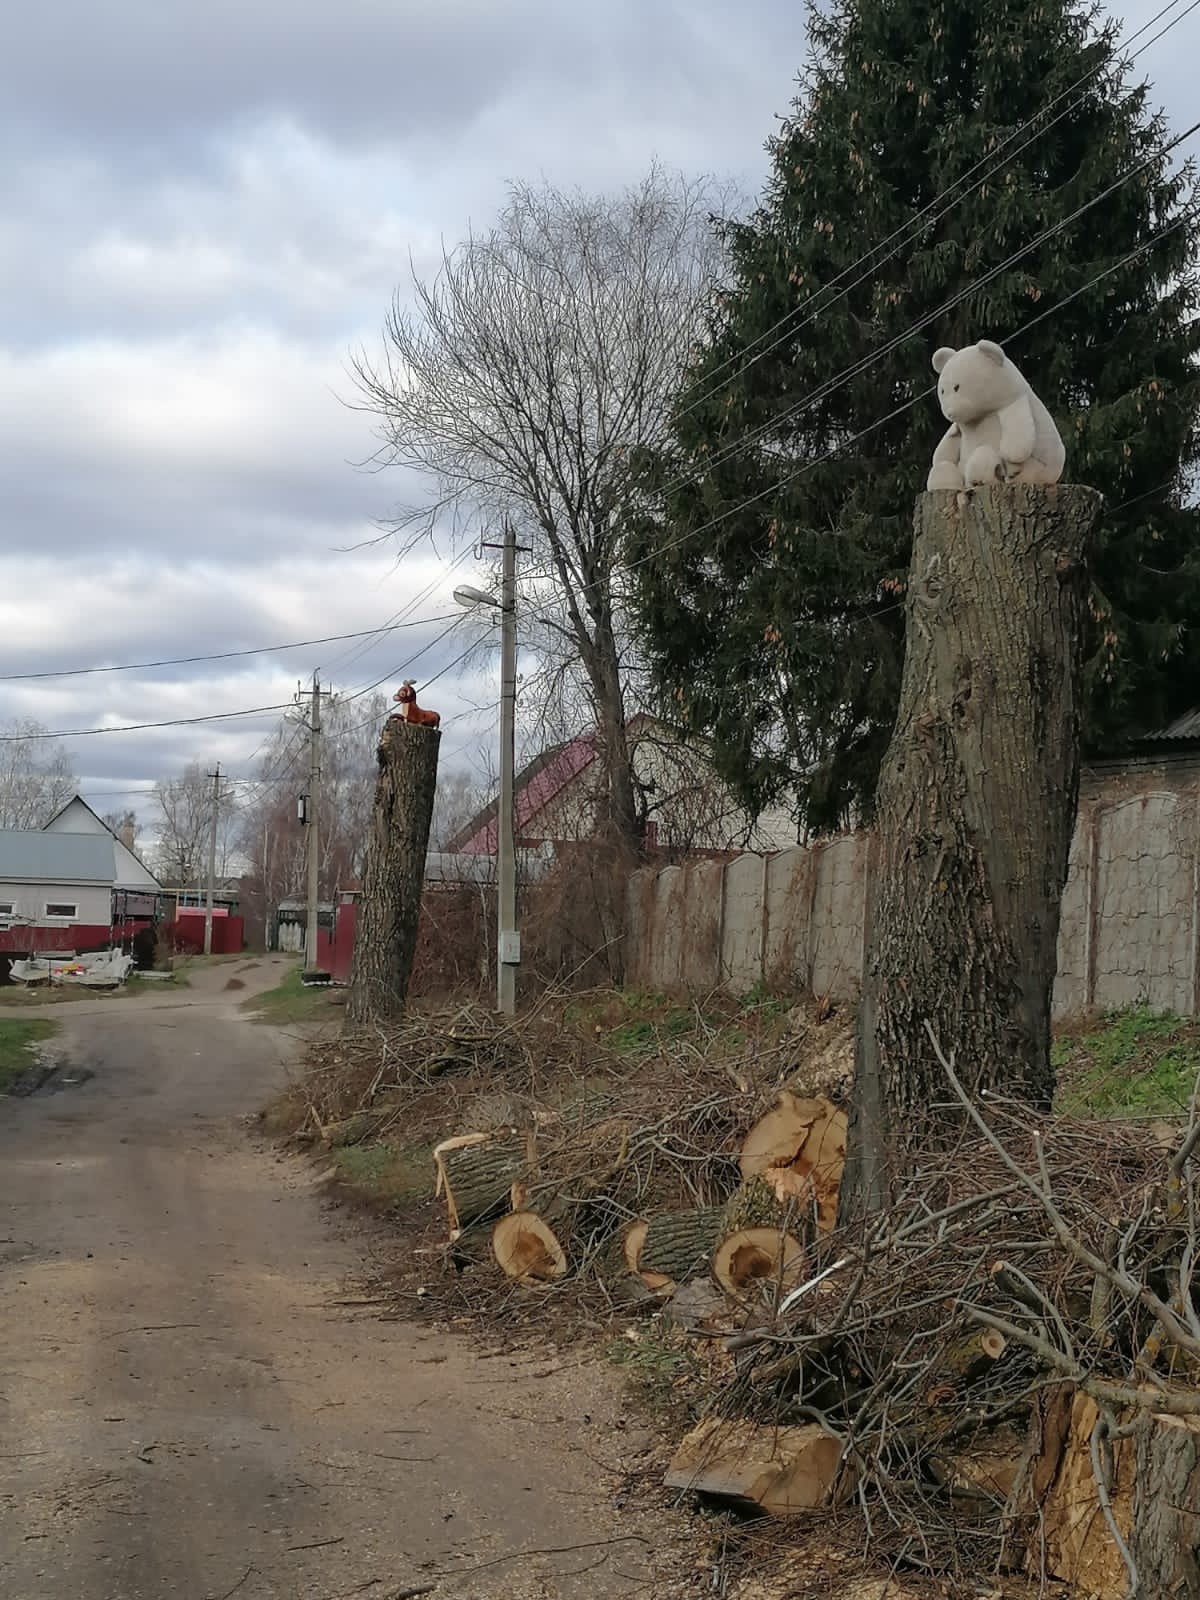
(1185, 727)
(38, 857)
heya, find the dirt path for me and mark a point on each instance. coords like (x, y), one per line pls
(189, 1408)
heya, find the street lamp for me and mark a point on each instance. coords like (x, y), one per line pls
(508, 940)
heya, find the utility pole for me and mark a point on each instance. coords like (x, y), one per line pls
(508, 942)
(311, 812)
(212, 860)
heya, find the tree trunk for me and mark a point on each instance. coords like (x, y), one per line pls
(1165, 1540)
(385, 938)
(975, 811)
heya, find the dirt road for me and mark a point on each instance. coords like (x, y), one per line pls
(187, 1405)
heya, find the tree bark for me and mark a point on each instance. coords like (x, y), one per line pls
(1165, 1540)
(975, 811)
(385, 938)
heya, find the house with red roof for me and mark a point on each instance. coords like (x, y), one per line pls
(686, 807)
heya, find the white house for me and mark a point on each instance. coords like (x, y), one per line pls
(129, 872)
(55, 880)
(65, 885)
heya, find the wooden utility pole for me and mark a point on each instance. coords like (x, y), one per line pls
(311, 816)
(212, 860)
(385, 937)
(974, 816)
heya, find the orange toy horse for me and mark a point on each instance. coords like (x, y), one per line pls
(410, 711)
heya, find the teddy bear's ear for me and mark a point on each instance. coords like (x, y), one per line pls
(940, 358)
(991, 350)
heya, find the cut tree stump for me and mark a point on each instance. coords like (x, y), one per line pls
(676, 1245)
(478, 1173)
(385, 936)
(755, 1257)
(527, 1249)
(759, 1466)
(799, 1148)
(974, 815)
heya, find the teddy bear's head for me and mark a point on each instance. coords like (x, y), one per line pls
(975, 381)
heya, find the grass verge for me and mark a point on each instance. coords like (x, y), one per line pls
(18, 1047)
(1135, 1062)
(289, 1002)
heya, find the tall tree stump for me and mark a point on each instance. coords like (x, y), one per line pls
(385, 936)
(975, 811)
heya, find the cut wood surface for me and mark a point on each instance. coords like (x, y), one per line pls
(799, 1148)
(758, 1465)
(678, 1244)
(756, 1256)
(631, 1245)
(527, 1249)
(1073, 1537)
(477, 1174)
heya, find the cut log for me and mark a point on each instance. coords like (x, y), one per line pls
(677, 1245)
(968, 1359)
(756, 1256)
(799, 1148)
(757, 1466)
(477, 1174)
(527, 1249)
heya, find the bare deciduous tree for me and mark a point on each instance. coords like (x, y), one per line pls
(270, 836)
(185, 809)
(36, 775)
(533, 370)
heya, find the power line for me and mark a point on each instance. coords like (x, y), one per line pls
(225, 655)
(449, 667)
(864, 363)
(135, 727)
(907, 405)
(909, 230)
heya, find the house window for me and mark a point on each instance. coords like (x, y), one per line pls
(61, 911)
(7, 912)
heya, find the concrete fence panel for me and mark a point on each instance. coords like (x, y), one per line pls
(838, 913)
(700, 963)
(789, 902)
(743, 926)
(1143, 934)
(664, 966)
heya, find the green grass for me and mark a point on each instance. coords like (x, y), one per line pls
(18, 1046)
(1136, 1062)
(290, 1002)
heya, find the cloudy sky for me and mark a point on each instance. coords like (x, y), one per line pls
(203, 209)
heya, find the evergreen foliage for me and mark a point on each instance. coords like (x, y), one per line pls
(771, 573)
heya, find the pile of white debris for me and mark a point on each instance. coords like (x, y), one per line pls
(102, 969)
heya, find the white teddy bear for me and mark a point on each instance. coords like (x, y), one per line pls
(999, 429)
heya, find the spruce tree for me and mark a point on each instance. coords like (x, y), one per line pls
(771, 574)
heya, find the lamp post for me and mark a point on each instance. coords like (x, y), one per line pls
(508, 940)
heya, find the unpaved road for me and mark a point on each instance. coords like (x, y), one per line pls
(186, 1409)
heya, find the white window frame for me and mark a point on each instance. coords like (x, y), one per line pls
(62, 915)
(8, 908)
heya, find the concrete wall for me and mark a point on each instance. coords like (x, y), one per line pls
(1130, 928)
